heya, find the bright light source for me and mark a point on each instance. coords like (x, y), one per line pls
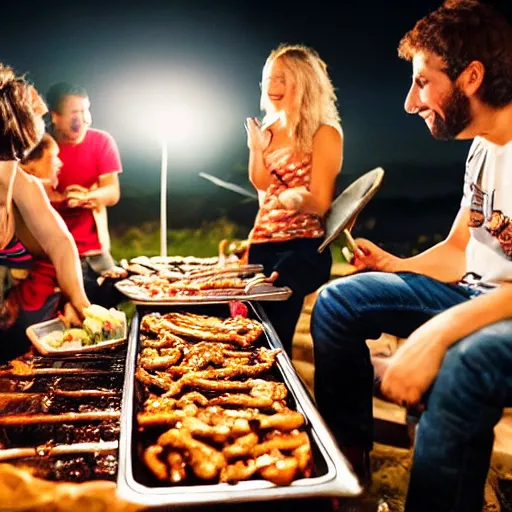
(190, 113)
(192, 109)
(179, 124)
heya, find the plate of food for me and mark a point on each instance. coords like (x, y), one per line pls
(102, 328)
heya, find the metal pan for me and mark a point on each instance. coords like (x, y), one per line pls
(349, 204)
(263, 292)
(331, 476)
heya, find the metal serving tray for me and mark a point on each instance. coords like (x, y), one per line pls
(331, 475)
(264, 292)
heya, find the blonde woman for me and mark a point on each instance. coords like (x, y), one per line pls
(295, 155)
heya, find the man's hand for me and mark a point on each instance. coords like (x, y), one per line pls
(81, 197)
(89, 203)
(409, 373)
(371, 257)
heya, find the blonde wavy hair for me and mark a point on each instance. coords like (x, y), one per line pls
(315, 98)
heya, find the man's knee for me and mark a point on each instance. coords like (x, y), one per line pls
(466, 387)
(350, 295)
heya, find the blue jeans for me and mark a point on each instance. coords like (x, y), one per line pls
(302, 268)
(455, 434)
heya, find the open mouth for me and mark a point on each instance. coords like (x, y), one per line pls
(275, 97)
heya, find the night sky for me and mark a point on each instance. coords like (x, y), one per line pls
(128, 53)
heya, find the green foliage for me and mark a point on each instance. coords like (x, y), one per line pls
(144, 239)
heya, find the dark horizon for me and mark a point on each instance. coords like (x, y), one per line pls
(123, 54)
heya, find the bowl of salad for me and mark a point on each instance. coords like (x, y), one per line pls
(102, 328)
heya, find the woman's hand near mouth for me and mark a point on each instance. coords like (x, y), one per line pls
(257, 140)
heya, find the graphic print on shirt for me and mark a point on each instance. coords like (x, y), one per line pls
(483, 214)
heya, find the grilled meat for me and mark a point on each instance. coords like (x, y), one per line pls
(212, 398)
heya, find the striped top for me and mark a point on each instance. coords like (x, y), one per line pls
(12, 252)
(15, 255)
(274, 222)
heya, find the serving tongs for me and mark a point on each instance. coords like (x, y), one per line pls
(261, 283)
(47, 450)
(138, 268)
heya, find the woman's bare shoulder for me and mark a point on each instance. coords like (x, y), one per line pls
(27, 188)
(328, 132)
(27, 180)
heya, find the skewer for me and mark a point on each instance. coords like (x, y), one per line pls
(81, 393)
(71, 417)
(44, 450)
(85, 393)
(34, 372)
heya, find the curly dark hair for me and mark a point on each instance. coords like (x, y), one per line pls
(19, 131)
(57, 92)
(39, 150)
(463, 31)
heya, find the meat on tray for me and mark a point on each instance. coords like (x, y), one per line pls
(170, 267)
(240, 331)
(223, 283)
(212, 410)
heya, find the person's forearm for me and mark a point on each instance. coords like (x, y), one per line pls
(258, 172)
(444, 262)
(108, 195)
(69, 272)
(464, 319)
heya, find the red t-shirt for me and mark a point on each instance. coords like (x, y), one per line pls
(83, 164)
(33, 292)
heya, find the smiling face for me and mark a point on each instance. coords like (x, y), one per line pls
(278, 86)
(438, 100)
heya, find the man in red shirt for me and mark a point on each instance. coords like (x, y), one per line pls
(88, 183)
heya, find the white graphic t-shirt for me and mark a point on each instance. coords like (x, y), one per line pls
(488, 194)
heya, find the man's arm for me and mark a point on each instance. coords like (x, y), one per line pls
(108, 192)
(410, 372)
(445, 261)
